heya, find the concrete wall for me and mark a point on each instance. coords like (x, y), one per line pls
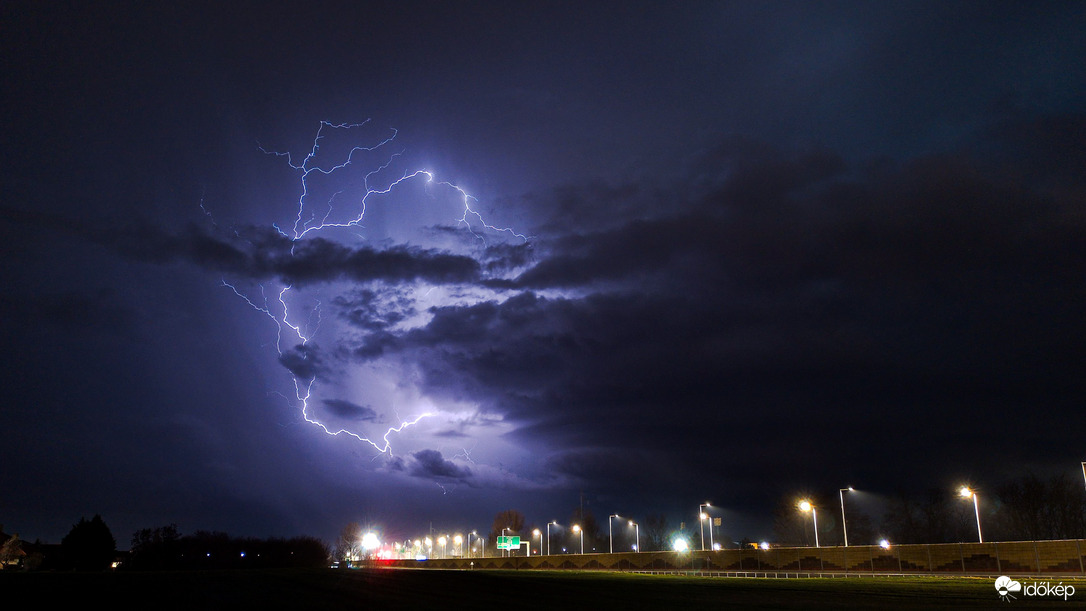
(1015, 557)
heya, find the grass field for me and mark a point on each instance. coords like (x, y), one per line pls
(553, 590)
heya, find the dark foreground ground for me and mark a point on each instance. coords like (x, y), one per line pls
(556, 591)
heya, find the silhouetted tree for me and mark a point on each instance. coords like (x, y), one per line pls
(1034, 509)
(349, 542)
(655, 536)
(89, 546)
(155, 548)
(511, 520)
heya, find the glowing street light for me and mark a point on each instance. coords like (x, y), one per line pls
(702, 517)
(370, 542)
(459, 541)
(680, 545)
(442, 541)
(469, 541)
(577, 529)
(536, 533)
(1084, 472)
(806, 505)
(844, 529)
(610, 533)
(965, 493)
(637, 539)
(555, 522)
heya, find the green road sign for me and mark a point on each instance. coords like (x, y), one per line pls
(508, 542)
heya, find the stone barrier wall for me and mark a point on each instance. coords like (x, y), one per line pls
(1014, 557)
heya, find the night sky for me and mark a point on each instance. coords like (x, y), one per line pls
(664, 253)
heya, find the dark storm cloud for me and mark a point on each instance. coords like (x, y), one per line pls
(799, 298)
(430, 464)
(302, 361)
(372, 310)
(342, 408)
(259, 253)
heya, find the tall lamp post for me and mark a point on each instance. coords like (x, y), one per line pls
(577, 529)
(844, 528)
(965, 493)
(702, 517)
(469, 541)
(637, 533)
(555, 522)
(1084, 472)
(536, 533)
(459, 541)
(611, 533)
(806, 505)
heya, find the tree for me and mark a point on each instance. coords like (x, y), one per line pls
(511, 520)
(349, 542)
(12, 551)
(89, 546)
(156, 548)
(1034, 509)
(656, 532)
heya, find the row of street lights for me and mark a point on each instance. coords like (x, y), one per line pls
(804, 505)
(965, 492)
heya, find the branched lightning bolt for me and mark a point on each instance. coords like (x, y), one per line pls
(303, 226)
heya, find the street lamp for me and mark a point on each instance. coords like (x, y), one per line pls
(965, 493)
(459, 541)
(637, 532)
(442, 541)
(536, 533)
(577, 529)
(702, 517)
(844, 529)
(469, 541)
(555, 522)
(610, 533)
(806, 505)
(1084, 472)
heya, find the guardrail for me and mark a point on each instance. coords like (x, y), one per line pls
(1064, 557)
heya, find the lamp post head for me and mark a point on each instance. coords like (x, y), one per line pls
(576, 528)
(535, 532)
(965, 492)
(805, 505)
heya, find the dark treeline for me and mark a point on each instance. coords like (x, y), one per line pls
(1029, 508)
(165, 548)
